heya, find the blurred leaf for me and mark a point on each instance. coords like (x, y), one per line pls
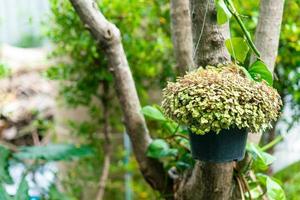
(53, 152)
(55, 194)
(274, 190)
(290, 176)
(4, 71)
(172, 127)
(185, 162)
(259, 71)
(4, 164)
(159, 149)
(182, 165)
(261, 160)
(255, 193)
(238, 48)
(223, 14)
(22, 192)
(153, 113)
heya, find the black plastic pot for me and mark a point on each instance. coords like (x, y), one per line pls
(228, 145)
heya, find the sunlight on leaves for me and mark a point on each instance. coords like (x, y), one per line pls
(238, 48)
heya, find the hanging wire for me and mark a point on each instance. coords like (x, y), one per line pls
(201, 32)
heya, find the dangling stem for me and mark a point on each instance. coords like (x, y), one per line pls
(233, 11)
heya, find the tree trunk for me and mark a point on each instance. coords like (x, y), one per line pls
(208, 36)
(211, 181)
(267, 38)
(182, 35)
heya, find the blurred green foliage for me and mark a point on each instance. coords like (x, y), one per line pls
(288, 60)
(29, 40)
(290, 176)
(40, 155)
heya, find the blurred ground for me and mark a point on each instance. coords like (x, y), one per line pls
(25, 94)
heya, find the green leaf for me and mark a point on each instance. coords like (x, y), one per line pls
(4, 164)
(53, 152)
(223, 14)
(22, 192)
(159, 149)
(171, 127)
(274, 190)
(259, 71)
(153, 113)
(238, 48)
(261, 160)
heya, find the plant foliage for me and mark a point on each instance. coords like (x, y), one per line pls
(4, 157)
(213, 99)
(53, 152)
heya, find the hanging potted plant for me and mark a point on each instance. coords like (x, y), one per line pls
(219, 106)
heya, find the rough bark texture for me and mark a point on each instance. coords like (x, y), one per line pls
(108, 35)
(208, 36)
(208, 181)
(267, 37)
(211, 181)
(182, 35)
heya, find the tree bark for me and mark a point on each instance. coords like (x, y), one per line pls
(108, 36)
(182, 35)
(107, 149)
(267, 38)
(208, 36)
(211, 181)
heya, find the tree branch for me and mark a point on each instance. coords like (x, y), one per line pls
(107, 141)
(181, 28)
(108, 35)
(267, 38)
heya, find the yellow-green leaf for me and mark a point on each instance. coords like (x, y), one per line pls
(238, 48)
